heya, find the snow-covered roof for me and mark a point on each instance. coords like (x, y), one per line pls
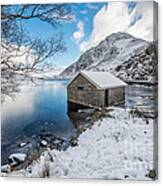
(102, 80)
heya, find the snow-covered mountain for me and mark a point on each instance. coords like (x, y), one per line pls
(48, 72)
(127, 57)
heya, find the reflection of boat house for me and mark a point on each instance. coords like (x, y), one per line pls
(95, 89)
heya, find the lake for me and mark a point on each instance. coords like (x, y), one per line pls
(43, 107)
(36, 107)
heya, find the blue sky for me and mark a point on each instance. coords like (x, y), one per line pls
(82, 13)
(92, 22)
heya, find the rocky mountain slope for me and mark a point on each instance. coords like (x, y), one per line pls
(129, 58)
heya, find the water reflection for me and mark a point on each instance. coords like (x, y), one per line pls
(37, 107)
(141, 96)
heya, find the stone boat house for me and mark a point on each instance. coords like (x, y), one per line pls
(95, 89)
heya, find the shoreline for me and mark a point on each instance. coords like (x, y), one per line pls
(113, 116)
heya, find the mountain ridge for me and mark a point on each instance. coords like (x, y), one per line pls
(127, 57)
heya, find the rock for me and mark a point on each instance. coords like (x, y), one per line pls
(22, 144)
(86, 111)
(74, 142)
(152, 174)
(88, 119)
(65, 145)
(140, 159)
(57, 141)
(44, 143)
(46, 123)
(34, 136)
(126, 176)
(6, 168)
(17, 158)
(42, 129)
(48, 134)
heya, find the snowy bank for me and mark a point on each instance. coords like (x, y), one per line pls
(116, 147)
(17, 158)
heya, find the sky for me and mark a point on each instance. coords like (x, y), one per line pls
(92, 22)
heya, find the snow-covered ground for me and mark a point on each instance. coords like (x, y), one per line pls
(119, 146)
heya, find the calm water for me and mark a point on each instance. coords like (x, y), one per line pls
(141, 96)
(36, 107)
(44, 106)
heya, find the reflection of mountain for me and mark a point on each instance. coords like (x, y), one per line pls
(125, 56)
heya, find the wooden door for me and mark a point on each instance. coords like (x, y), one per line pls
(106, 98)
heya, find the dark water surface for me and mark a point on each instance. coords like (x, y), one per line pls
(37, 107)
(143, 97)
(44, 107)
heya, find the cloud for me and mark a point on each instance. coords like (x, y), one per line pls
(92, 6)
(116, 17)
(143, 28)
(79, 34)
(83, 12)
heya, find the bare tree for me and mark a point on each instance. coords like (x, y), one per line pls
(21, 53)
